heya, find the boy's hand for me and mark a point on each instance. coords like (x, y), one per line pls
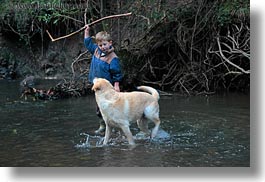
(87, 31)
(87, 28)
(116, 86)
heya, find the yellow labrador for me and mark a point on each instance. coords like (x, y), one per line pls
(120, 108)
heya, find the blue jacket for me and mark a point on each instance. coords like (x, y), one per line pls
(109, 70)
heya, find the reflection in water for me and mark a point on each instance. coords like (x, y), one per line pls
(196, 131)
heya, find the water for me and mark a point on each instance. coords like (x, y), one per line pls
(204, 131)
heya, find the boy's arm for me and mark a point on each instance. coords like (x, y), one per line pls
(86, 34)
(88, 41)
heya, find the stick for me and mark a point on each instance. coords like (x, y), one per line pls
(92, 23)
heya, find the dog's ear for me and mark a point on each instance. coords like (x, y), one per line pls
(96, 86)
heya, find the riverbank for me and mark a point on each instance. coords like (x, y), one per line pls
(192, 48)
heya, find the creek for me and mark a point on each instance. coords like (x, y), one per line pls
(201, 131)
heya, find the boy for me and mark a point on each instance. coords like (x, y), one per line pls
(104, 63)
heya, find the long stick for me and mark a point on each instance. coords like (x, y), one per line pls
(92, 23)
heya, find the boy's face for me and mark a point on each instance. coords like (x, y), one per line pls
(104, 45)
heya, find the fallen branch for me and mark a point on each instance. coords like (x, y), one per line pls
(83, 28)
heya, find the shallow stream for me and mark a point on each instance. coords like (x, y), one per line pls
(203, 131)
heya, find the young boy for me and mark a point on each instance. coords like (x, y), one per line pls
(104, 63)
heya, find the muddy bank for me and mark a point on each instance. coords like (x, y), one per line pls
(43, 60)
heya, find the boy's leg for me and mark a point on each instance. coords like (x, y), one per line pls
(101, 122)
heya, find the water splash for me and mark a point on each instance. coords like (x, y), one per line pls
(100, 142)
(85, 144)
(90, 141)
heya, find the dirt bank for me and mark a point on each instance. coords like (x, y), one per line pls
(52, 60)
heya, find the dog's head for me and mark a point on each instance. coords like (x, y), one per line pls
(101, 84)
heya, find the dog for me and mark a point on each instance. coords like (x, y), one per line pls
(119, 109)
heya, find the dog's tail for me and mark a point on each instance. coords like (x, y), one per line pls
(150, 90)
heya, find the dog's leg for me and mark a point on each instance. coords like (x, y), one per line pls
(155, 129)
(101, 128)
(152, 113)
(143, 125)
(107, 134)
(126, 130)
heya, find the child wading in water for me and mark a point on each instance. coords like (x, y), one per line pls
(104, 64)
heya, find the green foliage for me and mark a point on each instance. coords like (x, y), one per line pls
(229, 10)
(53, 15)
(28, 17)
(24, 11)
